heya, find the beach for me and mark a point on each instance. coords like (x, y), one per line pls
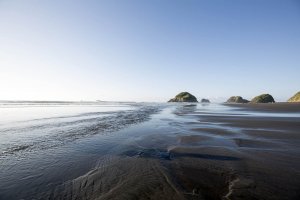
(155, 151)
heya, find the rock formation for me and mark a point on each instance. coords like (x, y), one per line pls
(263, 98)
(237, 99)
(205, 101)
(184, 97)
(295, 98)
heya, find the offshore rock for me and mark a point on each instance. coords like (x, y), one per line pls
(184, 97)
(295, 98)
(237, 99)
(205, 101)
(263, 98)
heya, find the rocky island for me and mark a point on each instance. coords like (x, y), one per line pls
(205, 101)
(237, 99)
(184, 97)
(263, 98)
(295, 98)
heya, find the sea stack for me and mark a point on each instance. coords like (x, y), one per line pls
(205, 101)
(184, 97)
(263, 98)
(237, 99)
(295, 98)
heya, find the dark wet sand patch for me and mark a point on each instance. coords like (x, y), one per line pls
(209, 153)
(192, 139)
(270, 166)
(201, 182)
(252, 174)
(241, 142)
(273, 123)
(227, 114)
(200, 172)
(157, 141)
(276, 173)
(204, 173)
(215, 131)
(272, 134)
(269, 107)
(128, 178)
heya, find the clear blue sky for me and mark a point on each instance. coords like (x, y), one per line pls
(148, 50)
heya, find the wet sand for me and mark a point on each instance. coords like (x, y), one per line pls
(268, 107)
(183, 153)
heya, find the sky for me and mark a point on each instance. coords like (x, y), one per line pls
(138, 50)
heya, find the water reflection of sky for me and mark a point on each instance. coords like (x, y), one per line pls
(223, 110)
(24, 112)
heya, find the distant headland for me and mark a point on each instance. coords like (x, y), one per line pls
(295, 98)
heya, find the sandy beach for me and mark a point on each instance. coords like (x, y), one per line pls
(185, 151)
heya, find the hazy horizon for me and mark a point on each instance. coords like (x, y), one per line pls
(148, 50)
